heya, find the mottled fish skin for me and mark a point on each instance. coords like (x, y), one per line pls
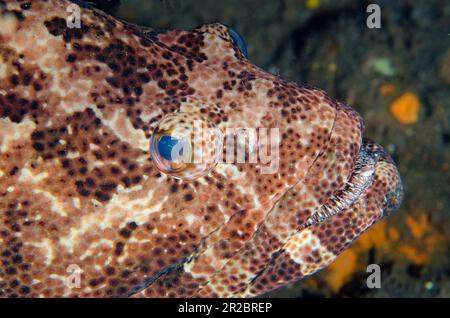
(78, 186)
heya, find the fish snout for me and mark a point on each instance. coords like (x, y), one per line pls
(387, 184)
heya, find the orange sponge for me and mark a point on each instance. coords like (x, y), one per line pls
(406, 108)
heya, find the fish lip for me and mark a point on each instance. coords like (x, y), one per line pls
(361, 179)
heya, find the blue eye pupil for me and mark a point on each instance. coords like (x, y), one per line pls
(166, 145)
(239, 41)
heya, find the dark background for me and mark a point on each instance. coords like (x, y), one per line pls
(327, 44)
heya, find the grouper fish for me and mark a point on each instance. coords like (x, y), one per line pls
(96, 202)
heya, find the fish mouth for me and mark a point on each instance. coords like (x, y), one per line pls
(374, 173)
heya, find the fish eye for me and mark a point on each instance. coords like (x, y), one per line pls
(239, 41)
(185, 145)
(172, 149)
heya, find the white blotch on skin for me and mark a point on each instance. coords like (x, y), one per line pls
(27, 175)
(11, 133)
(45, 246)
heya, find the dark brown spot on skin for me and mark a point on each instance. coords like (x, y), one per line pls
(174, 188)
(13, 171)
(102, 196)
(119, 248)
(125, 233)
(71, 58)
(38, 146)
